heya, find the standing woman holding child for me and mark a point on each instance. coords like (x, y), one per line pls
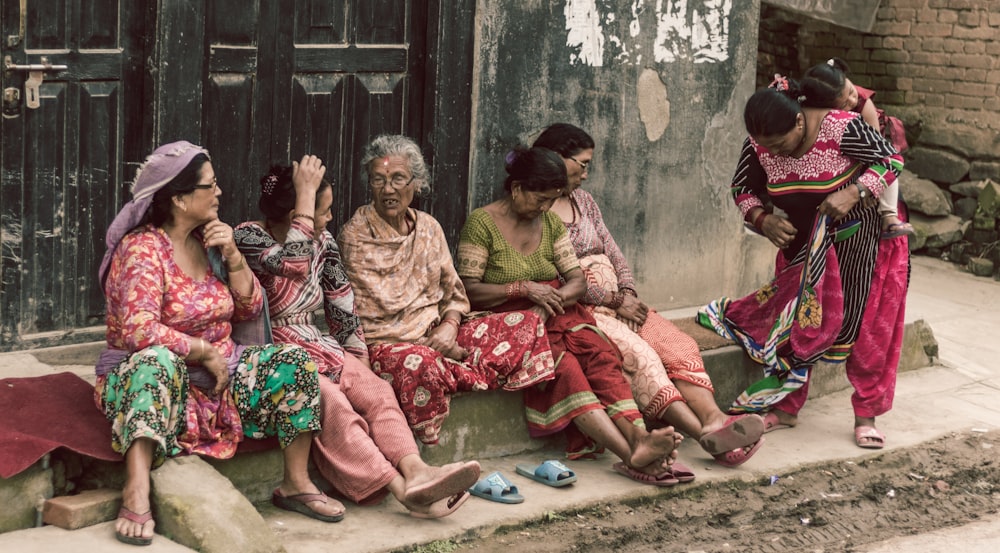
(821, 167)
(365, 448)
(511, 256)
(662, 363)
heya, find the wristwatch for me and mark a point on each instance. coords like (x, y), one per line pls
(862, 191)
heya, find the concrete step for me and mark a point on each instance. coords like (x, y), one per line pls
(482, 425)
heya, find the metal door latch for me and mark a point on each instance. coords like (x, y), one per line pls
(36, 73)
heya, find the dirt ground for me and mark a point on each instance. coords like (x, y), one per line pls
(832, 507)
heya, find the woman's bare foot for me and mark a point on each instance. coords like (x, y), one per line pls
(429, 484)
(653, 446)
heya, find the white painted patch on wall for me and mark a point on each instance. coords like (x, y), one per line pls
(584, 34)
(696, 30)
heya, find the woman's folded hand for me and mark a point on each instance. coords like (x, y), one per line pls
(546, 297)
(215, 364)
(633, 311)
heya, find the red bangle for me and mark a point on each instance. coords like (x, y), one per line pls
(516, 289)
(617, 299)
(759, 220)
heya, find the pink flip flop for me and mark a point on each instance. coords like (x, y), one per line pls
(738, 431)
(681, 472)
(299, 503)
(141, 520)
(664, 480)
(869, 437)
(738, 456)
(453, 478)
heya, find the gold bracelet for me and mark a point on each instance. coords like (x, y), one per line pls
(239, 267)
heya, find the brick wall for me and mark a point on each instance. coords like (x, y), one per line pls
(933, 63)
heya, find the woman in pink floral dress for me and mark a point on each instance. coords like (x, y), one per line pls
(171, 380)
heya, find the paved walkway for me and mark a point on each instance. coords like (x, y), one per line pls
(962, 310)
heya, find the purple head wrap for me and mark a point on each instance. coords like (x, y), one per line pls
(165, 163)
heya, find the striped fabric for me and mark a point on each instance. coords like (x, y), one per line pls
(813, 308)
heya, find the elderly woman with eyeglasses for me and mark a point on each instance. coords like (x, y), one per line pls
(413, 306)
(365, 449)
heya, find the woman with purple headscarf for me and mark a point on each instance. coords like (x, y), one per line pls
(172, 381)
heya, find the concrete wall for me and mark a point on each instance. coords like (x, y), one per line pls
(661, 87)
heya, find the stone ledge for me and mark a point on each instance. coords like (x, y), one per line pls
(482, 425)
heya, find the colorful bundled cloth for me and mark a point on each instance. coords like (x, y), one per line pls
(813, 308)
(299, 277)
(146, 389)
(871, 368)
(588, 375)
(654, 355)
(404, 284)
(787, 325)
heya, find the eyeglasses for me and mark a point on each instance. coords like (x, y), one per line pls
(585, 165)
(210, 186)
(398, 182)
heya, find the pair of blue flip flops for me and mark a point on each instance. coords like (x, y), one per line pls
(496, 487)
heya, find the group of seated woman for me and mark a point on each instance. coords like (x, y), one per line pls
(540, 300)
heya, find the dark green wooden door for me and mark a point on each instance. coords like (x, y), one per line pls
(322, 77)
(63, 161)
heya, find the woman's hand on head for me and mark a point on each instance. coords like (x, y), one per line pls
(633, 310)
(778, 230)
(307, 175)
(545, 297)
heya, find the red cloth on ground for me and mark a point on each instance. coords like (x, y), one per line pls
(42, 413)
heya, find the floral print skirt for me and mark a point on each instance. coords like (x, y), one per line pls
(274, 392)
(506, 350)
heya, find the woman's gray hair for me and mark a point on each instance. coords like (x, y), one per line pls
(398, 145)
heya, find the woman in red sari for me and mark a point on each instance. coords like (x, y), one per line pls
(512, 255)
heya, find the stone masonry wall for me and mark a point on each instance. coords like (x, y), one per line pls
(935, 64)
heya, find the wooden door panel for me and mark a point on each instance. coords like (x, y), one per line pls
(230, 126)
(338, 114)
(64, 163)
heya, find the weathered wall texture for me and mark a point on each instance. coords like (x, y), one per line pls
(660, 85)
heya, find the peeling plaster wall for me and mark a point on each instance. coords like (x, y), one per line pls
(660, 85)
